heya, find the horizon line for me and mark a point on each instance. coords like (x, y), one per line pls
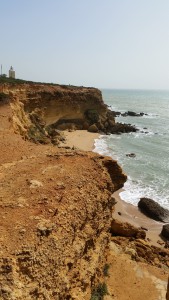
(136, 89)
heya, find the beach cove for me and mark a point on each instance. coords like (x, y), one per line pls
(124, 212)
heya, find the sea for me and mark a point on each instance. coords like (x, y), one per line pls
(148, 171)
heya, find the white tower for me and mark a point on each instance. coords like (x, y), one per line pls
(11, 72)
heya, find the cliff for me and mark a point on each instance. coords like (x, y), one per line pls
(56, 206)
(39, 111)
(55, 220)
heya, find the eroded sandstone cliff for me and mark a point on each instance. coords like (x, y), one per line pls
(39, 110)
(55, 220)
(56, 210)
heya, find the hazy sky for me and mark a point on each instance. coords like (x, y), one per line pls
(101, 43)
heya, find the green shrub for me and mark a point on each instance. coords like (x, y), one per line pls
(4, 98)
(106, 270)
(99, 292)
(92, 115)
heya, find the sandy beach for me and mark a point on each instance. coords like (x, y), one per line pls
(124, 212)
(81, 139)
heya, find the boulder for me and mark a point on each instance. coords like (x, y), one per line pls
(165, 231)
(35, 184)
(85, 125)
(93, 128)
(153, 210)
(133, 114)
(131, 154)
(125, 229)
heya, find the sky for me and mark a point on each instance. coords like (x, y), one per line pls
(105, 44)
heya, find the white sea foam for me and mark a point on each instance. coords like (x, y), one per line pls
(133, 191)
(101, 146)
(112, 108)
(150, 116)
(148, 171)
(142, 132)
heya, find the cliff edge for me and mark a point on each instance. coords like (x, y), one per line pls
(55, 217)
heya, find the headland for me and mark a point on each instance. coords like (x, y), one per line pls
(60, 238)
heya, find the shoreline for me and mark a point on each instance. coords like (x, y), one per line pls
(124, 212)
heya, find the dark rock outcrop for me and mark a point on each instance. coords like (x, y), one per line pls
(153, 210)
(165, 231)
(133, 114)
(116, 113)
(122, 128)
(131, 154)
(128, 113)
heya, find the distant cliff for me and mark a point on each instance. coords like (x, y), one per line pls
(39, 110)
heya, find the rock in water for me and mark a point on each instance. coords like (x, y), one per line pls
(165, 231)
(153, 210)
(131, 154)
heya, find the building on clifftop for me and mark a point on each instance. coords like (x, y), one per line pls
(11, 72)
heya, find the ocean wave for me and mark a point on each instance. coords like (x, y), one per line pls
(150, 116)
(101, 147)
(112, 108)
(142, 132)
(147, 183)
(133, 191)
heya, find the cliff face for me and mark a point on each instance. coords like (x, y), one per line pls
(55, 205)
(55, 216)
(39, 110)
